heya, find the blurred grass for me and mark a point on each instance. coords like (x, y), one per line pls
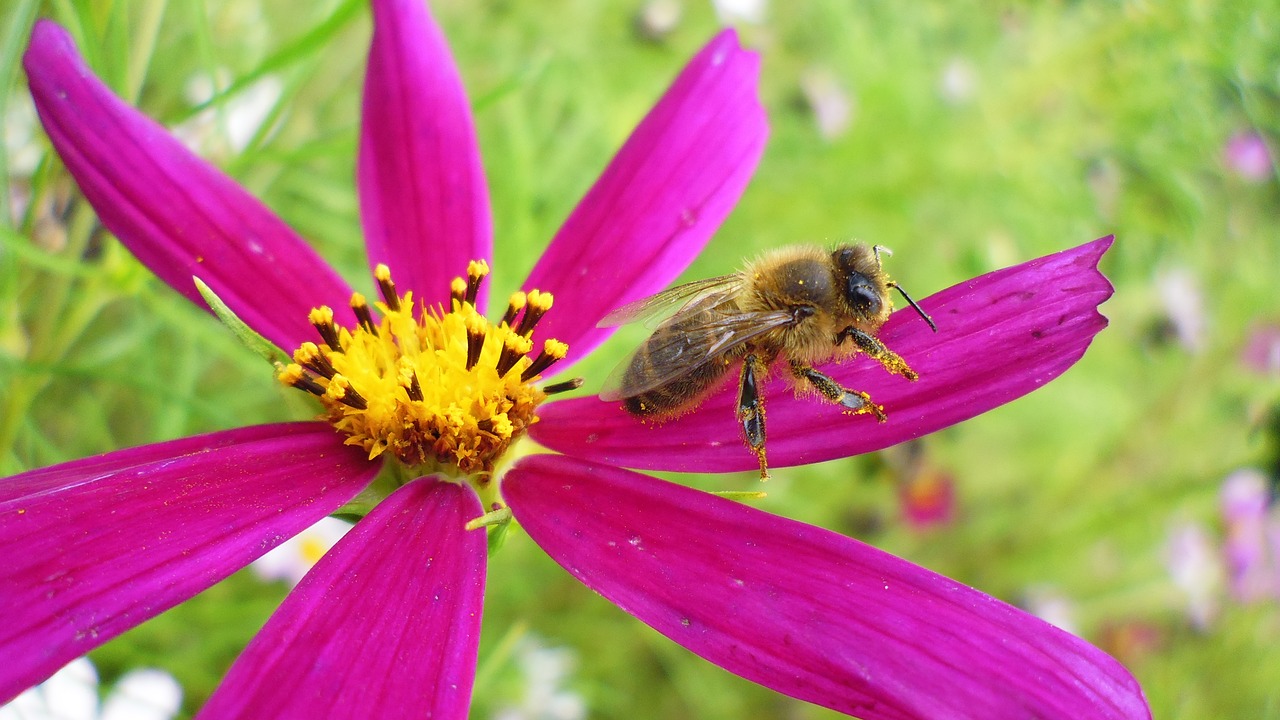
(1080, 120)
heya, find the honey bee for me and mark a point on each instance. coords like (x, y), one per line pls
(803, 304)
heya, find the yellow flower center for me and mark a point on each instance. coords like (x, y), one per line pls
(441, 391)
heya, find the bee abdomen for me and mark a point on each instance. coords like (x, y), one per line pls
(679, 394)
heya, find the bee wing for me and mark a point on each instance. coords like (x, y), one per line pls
(694, 347)
(679, 299)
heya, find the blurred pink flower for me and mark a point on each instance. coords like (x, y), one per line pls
(387, 622)
(928, 497)
(1262, 349)
(1247, 155)
(1252, 543)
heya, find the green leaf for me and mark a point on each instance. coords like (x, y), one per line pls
(245, 334)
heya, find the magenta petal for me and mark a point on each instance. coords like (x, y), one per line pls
(178, 214)
(387, 624)
(999, 337)
(661, 198)
(423, 198)
(95, 547)
(809, 613)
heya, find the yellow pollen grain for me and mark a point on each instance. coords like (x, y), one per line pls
(290, 374)
(382, 273)
(540, 300)
(322, 315)
(475, 323)
(338, 387)
(502, 426)
(306, 352)
(519, 344)
(555, 348)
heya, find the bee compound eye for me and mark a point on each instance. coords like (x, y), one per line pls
(862, 296)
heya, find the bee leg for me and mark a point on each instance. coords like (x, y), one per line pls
(858, 403)
(871, 345)
(751, 409)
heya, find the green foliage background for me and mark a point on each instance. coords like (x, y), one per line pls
(1083, 119)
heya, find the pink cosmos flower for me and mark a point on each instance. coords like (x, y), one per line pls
(387, 623)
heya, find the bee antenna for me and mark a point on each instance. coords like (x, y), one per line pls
(877, 250)
(915, 306)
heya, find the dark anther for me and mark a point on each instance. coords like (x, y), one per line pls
(365, 317)
(566, 386)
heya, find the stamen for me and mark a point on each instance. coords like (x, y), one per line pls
(294, 376)
(382, 274)
(409, 380)
(310, 356)
(458, 291)
(566, 386)
(475, 339)
(476, 272)
(514, 306)
(361, 308)
(539, 304)
(322, 320)
(439, 387)
(513, 349)
(498, 426)
(552, 350)
(340, 389)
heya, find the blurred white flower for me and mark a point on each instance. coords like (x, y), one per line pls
(657, 18)
(957, 82)
(72, 694)
(747, 11)
(22, 151)
(227, 130)
(1194, 566)
(1052, 607)
(291, 559)
(831, 105)
(545, 669)
(1183, 303)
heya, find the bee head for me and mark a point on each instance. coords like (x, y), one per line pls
(861, 280)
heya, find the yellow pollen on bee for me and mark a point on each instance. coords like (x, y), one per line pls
(439, 390)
